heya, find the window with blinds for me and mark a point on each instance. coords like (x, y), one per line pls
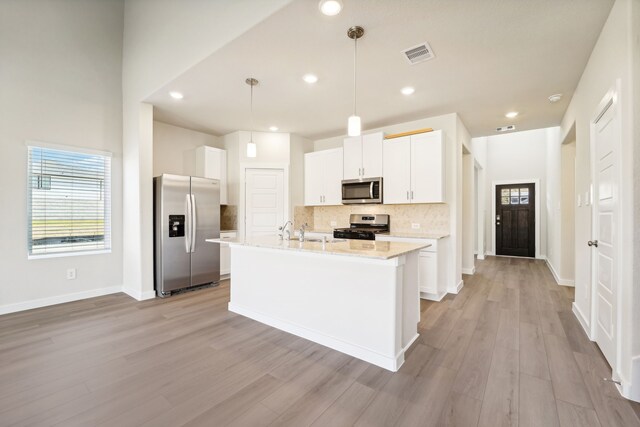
(69, 201)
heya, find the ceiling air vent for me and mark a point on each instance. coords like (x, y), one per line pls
(419, 53)
(506, 128)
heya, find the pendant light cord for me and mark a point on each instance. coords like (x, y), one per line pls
(251, 108)
(355, 66)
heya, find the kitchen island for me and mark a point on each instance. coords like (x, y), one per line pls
(355, 296)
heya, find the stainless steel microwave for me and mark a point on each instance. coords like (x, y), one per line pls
(361, 191)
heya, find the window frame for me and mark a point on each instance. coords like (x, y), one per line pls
(108, 214)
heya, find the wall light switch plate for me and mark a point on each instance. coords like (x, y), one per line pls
(333, 223)
(415, 225)
(579, 201)
(71, 274)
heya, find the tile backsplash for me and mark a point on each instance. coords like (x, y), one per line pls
(431, 218)
(228, 217)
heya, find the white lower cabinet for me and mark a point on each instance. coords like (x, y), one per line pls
(431, 265)
(225, 253)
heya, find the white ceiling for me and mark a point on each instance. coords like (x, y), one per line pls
(492, 56)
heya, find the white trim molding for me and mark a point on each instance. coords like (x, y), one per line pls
(582, 319)
(138, 295)
(469, 271)
(59, 299)
(560, 281)
(536, 183)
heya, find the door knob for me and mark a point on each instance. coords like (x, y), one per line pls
(593, 243)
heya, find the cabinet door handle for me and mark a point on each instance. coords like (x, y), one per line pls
(407, 195)
(362, 171)
(411, 194)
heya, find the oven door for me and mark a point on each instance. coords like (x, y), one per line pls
(355, 191)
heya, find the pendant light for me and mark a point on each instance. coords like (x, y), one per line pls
(354, 125)
(252, 149)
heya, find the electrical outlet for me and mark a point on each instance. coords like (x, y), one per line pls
(333, 223)
(71, 274)
(415, 225)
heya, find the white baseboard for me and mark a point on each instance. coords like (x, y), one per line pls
(481, 256)
(560, 281)
(489, 253)
(469, 271)
(138, 295)
(432, 297)
(457, 288)
(633, 389)
(58, 299)
(391, 363)
(582, 319)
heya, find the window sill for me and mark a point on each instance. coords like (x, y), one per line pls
(68, 254)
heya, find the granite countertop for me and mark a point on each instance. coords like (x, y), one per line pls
(228, 231)
(358, 248)
(417, 235)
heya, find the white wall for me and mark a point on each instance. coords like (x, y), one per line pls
(298, 147)
(163, 38)
(553, 201)
(613, 58)
(456, 136)
(174, 148)
(61, 65)
(468, 214)
(512, 157)
(567, 213)
(479, 148)
(273, 150)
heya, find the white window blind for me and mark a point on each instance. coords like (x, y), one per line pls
(69, 201)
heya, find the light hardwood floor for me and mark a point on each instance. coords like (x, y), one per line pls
(506, 351)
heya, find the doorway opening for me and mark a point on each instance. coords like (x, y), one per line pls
(567, 211)
(515, 219)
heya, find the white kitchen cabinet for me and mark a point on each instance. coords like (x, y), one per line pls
(211, 163)
(323, 178)
(414, 169)
(363, 156)
(225, 253)
(432, 266)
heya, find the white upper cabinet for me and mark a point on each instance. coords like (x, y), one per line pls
(397, 172)
(414, 169)
(363, 156)
(323, 177)
(427, 167)
(212, 163)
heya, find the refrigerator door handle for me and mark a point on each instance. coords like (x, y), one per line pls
(189, 225)
(194, 223)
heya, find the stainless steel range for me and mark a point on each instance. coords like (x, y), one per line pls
(363, 227)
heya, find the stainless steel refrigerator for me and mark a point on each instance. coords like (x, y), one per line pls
(186, 212)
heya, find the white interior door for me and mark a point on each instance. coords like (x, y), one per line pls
(606, 195)
(264, 201)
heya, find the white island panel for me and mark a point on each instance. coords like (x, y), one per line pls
(365, 307)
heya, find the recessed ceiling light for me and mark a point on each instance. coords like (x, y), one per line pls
(330, 7)
(310, 78)
(555, 98)
(407, 90)
(273, 128)
(176, 95)
(511, 114)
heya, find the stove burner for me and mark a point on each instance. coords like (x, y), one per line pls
(364, 227)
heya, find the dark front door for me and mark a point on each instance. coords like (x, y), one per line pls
(515, 220)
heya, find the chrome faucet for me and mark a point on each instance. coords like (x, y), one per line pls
(283, 230)
(301, 231)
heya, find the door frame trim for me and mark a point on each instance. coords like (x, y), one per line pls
(494, 184)
(243, 194)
